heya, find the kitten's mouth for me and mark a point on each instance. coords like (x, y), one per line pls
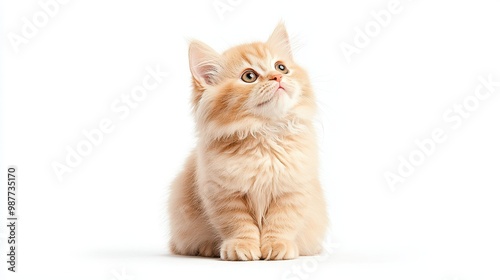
(274, 96)
(265, 102)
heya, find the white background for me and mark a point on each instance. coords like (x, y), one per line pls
(107, 217)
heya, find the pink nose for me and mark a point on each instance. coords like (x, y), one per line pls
(276, 77)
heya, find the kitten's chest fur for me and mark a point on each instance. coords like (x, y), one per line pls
(262, 167)
(260, 164)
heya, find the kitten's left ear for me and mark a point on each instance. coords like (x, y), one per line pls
(280, 41)
(204, 63)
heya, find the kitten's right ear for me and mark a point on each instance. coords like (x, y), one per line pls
(280, 40)
(204, 63)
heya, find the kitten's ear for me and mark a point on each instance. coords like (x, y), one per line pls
(280, 41)
(204, 63)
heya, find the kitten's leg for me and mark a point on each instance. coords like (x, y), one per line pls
(281, 224)
(229, 213)
(191, 233)
(312, 233)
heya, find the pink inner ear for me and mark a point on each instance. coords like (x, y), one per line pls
(207, 72)
(279, 40)
(203, 62)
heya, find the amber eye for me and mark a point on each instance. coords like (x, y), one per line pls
(281, 67)
(249, 76)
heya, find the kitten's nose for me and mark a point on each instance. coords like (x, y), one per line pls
(276, 77)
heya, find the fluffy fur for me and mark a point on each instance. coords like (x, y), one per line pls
(250, 189)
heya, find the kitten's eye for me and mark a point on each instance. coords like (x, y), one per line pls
(281, 67)
(249, 76)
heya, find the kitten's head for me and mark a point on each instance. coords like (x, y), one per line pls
(249, 87)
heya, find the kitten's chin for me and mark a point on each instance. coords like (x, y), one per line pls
(276, 95)
(275, 107)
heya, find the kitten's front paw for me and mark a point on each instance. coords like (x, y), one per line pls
(240, 250)
(280, 249)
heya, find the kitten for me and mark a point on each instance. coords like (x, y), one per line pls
(250, 189)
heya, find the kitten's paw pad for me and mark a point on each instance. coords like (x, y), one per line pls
(279, 250)
(240, 250)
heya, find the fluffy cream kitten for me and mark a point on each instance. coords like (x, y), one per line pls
(250, 189)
